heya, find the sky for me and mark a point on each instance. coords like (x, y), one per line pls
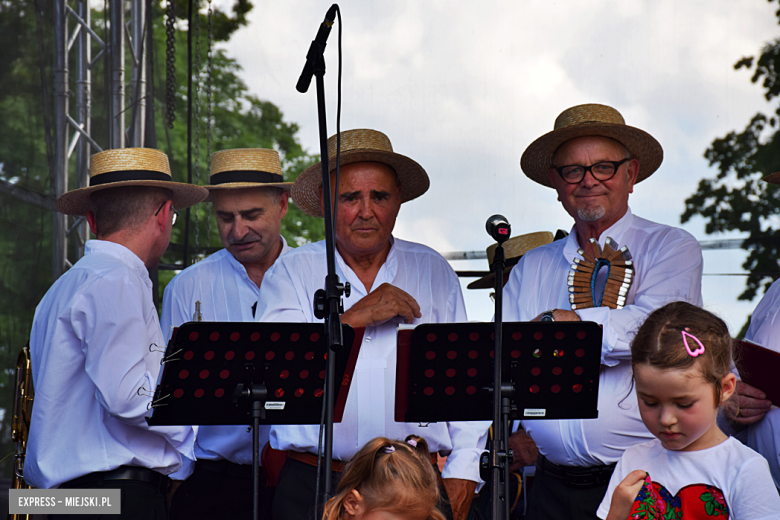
(464, 87)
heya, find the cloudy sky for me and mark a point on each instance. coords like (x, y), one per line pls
(463, 87)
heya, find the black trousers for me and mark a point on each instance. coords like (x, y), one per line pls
(553, 499)
(140, 501)
(222, 493)
(294, 498)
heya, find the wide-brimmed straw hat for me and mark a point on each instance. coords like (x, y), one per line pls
(773, 178)
(514, 249)
(245, 168)
(361, 145)
(591, 119)
(129, 167)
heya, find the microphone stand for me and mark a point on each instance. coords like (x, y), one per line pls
(327, 305)
(501, 404)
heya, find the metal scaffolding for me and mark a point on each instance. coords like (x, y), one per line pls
(74, 38)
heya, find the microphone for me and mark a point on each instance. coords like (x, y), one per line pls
(498, 227)
(317, 48)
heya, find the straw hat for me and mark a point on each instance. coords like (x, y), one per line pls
(245, 168)
(360, 145)
(773, 178)
(129, 167)
(514, 249)
(591, 119)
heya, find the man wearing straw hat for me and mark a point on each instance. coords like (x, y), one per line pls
(593, 160)
(393, 282)
(94, 338)
(250, 199)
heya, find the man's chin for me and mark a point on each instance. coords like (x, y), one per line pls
(591, 214)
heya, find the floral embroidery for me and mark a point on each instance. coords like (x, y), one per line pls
(693, 502)
(714, 503)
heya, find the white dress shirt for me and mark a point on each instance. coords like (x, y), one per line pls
(90, 350)
(764, 436)
(369, 413)
(222, 285)
(668, 267)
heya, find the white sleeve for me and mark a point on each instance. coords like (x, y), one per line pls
(753, 495)
(674, 274)
(174, 310)
(115, 342)
(617, 477)
(468, 437)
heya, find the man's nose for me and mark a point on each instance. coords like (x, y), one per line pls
(588, 180)
(365, 210)
(240, 228)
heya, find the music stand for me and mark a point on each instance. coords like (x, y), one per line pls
(445, 371)
(228, 373)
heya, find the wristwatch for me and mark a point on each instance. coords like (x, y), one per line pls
(548, 315)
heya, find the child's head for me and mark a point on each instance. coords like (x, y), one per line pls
(681, 358)
(391, 477)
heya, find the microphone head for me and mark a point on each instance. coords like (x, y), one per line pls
(498, 227)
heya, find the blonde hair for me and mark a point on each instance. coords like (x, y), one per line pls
(391, 475)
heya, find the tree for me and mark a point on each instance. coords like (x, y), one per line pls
(26, 50)
(736, 198)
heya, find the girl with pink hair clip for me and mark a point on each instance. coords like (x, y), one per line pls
(681, 358)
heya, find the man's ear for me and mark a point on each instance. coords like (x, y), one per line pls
(92, 222)
(322, 201)
(284, 202)
(632, 173)
(164, 216)
(353, 503)
(551, 175)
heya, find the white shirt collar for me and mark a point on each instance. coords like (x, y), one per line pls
(616, 232)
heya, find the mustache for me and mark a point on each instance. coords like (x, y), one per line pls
(246, 239)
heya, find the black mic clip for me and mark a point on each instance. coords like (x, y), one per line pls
(498, 227)
(316, 51)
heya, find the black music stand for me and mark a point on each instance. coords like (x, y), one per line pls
(223, 373)
(445, 372)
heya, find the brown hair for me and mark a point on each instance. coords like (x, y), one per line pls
(126, 208)
(659, 342)
(389, 475)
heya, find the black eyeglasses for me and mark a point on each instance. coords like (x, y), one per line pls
(601, 171)
(175, 213)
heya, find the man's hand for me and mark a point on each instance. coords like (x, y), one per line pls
(562, 315)
(524, 450)
(169, 496)
(747, 405)
(461, 493)
(624, 495)
(380, 305)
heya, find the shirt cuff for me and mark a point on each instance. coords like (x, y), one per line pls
(600, 315)
(186, 469)
(464, 464)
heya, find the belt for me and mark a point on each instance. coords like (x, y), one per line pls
(575, 476)
(338, 465)
(226, 468)
(156, 479)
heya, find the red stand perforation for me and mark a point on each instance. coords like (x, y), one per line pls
(205, 363)
(445, 372)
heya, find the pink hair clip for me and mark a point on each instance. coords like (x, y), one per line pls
(685, 336)
(412, 443)
(389, 449)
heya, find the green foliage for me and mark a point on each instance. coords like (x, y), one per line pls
(736, 199)
(240, 120)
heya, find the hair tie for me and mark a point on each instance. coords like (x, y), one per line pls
(389, 449)
(685, 336)
(412, 443)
